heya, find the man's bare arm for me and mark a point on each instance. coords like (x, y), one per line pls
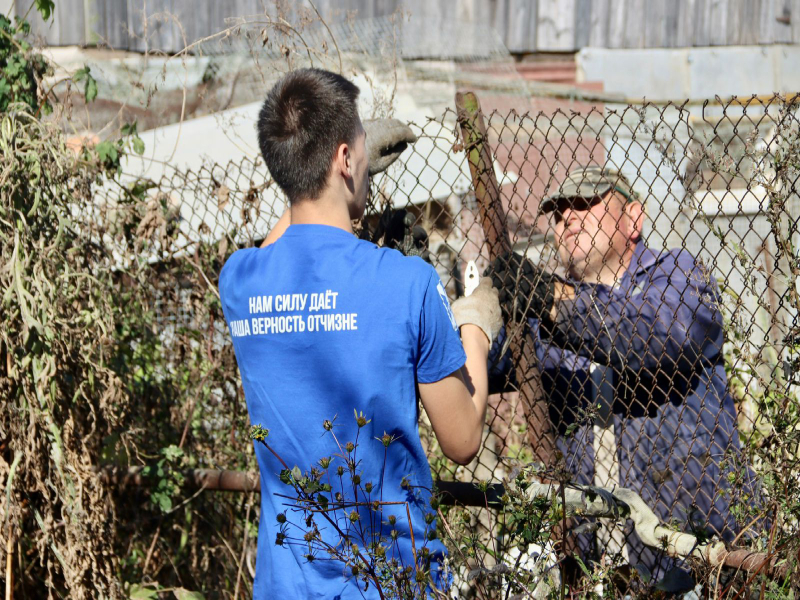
(456, 405)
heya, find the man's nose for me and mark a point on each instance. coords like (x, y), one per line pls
(569, 215)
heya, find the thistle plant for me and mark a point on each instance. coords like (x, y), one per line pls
(333, 513)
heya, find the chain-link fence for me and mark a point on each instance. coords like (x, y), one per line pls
(673, 366)
(668, 363)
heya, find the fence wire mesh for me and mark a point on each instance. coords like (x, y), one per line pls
(674, 375)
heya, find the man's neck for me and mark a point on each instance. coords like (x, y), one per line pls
(328, 209)
(611, 271)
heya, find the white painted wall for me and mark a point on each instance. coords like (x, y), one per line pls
(693, 73)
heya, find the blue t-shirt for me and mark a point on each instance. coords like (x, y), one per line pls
(324, 324)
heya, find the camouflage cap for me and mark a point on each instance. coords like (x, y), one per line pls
(589, 182)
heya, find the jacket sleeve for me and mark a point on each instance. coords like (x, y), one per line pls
(667, 323)
(502, 376)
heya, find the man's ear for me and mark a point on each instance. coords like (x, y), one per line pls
(635, 212)
(343, 160)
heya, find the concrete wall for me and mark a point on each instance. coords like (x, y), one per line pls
(694, 73)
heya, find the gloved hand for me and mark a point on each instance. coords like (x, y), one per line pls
(481, 308)
(525, 291)
(386, 140)
(398, 229)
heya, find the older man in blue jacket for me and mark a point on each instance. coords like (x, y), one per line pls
(630, 353)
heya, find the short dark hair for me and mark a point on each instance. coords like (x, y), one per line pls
(305, 117)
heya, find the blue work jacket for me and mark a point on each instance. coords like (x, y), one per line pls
(657, 337)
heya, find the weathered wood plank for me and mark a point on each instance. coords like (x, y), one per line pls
(583, 22)
(198, 21)
(495, 14)
(142, 31)
(423, 7)
(670, 16)
(782, 22)
(173, 21)
(387, 7)
(734, 21)
(684, 34)
(174, 24)
(51, 31)
(556, 25)
(524, 25)
(774, 22)
(616, 24)
(94, 32)
(635, 15)
(365, 8)
(249, 9)
(718, 13)
(654, 24)
(135, 25)
(424, 35)
(373, 8)
(109, 25)
(41, 31)
(598, 36)
(750, 22)
(521, 30)
(766, 21)
(343, 8)
(69, 17)
(702, 36)
(218, 14)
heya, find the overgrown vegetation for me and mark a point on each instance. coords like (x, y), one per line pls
(97, 376)
(114, 356)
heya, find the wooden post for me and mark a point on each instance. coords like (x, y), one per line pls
(541, 433)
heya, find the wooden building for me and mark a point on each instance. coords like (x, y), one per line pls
(525, 26)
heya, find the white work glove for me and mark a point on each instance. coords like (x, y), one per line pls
(481, 308)
(386, 140)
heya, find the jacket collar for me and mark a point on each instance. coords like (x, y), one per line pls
(643, 259)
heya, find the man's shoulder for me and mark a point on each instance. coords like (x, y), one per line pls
(681, 261)
(406, 268)
(678, 265)
(666, 259)
(242, 254)
(234, 262)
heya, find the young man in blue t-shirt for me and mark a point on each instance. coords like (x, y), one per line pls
(327, 327)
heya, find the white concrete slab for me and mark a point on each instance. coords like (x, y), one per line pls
(651, 74)
(694, 73)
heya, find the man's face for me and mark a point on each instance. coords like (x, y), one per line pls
(593, 234)
(360, 172)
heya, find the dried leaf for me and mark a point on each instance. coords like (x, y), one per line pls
(223, 194)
